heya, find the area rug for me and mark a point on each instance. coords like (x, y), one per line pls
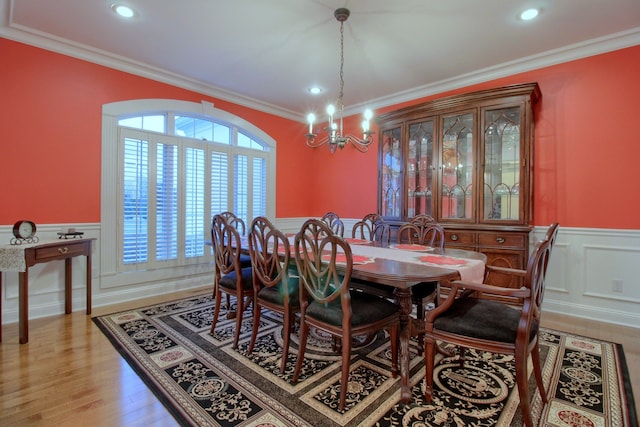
(204, 382)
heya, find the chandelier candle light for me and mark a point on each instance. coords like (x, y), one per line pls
(335, 137)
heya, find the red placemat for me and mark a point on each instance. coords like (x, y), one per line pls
(292, 249)
(352, 241)
(442, 260)
(411, 247)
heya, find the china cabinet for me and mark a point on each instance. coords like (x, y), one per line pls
(466, 160)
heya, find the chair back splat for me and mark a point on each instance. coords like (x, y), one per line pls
(236, 221)
(422, 220)
(372, 227)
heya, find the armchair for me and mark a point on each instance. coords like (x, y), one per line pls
(468, 319)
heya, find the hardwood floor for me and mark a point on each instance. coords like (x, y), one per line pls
(69, 374)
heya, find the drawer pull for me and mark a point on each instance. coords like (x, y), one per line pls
(454, 237)
(63, 250)
(500, 240)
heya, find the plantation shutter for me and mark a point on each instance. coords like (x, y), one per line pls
(259, 195)
(135, 198)
(194, 202)
(166, 202)
(219, 182)
(241, 187)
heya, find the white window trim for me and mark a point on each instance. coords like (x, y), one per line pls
(110, 277)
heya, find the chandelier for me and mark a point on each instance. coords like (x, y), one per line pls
(335, 136)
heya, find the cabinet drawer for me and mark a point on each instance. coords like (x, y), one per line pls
(458, 237)
(62, 251)
(501, 239)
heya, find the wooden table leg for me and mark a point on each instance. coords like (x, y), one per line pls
(23, 306)
(68, 273)
(0, 306)
(403, 299)
(89, 280)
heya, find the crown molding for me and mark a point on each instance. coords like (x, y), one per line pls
(568, 53)
(66, 47)
(553, 57)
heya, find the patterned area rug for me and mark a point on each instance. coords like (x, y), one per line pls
(204, 382)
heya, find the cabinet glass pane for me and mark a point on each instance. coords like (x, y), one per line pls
(391, 174)
(420, 169)
(502, 164)
(457, 167)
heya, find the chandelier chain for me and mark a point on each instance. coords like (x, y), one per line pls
(336, 138)
(341, 93)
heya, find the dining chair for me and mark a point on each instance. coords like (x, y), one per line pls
(370, 220)
(238, 223)
(274, 286)
(427, 233)
(480, 319)
(245, 260)
(325, 264)
(229, 276)
(334, 222)
(372, 227)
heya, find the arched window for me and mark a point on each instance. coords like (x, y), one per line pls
(168, 167)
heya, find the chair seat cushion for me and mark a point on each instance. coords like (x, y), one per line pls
(245, 261)
(365, 309)
(229, 281)
(482, 319)
(275, 294)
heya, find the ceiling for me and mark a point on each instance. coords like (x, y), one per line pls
(267, 53)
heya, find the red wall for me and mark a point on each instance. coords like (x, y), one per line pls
(50, 116)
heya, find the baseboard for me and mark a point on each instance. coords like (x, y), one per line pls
(578, 311)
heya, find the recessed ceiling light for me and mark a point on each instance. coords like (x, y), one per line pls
(529, 14)
(315, 90)
(122, 10)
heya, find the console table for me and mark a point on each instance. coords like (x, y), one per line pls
(20, 257)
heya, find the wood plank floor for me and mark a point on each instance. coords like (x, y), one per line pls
(70, 375)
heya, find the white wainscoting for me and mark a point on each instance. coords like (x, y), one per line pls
(46, 281)
(580, 282)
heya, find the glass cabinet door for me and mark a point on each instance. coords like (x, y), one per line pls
(391, 174)
(456, 167)
(501, 180)
(420, 169)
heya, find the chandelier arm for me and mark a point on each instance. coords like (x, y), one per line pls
(314, 142)
(361, 145)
